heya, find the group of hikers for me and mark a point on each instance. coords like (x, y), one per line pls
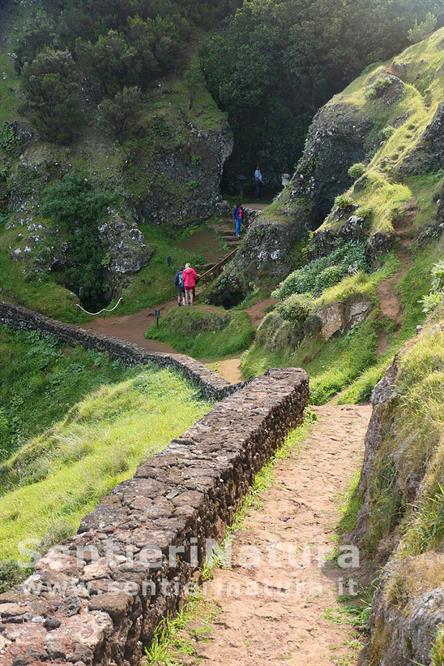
(187, 278)
(186, 281)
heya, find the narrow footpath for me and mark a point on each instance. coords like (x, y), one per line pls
(278, 601)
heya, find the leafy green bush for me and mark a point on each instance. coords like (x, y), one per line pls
(387, 132)
(121, 112)
(378, 88)
(79, 206)
(324, 272)
(436, 296)
(52, 89)
(357, 170)
(422, 29)
(343, 201)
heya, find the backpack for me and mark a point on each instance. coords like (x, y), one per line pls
(180, 282)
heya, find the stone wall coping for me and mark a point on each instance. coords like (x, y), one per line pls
(212, 385)
(97, 599)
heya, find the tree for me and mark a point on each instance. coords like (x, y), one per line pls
(276, 63)
(423, 29)
(120, 114)
(78, 206)
(52, 90)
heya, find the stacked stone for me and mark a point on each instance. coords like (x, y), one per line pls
(97, 599)
(212, 385)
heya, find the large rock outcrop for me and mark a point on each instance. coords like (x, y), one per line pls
(336, 140)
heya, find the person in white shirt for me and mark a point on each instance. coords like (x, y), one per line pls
(258, 181)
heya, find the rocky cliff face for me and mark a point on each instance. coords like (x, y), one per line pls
(400, 524)
(388, 126)
(336, 140)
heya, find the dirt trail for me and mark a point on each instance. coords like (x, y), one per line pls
(131, 328)
(274, 612)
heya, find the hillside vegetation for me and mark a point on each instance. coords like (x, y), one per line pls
(102, 425)
(317, 48)
(357, 294)
(401, 496)
(106, 126)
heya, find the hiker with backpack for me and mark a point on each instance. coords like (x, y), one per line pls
(238, 217)
(189, 276)
(180, 288)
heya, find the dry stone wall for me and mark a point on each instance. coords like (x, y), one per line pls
(97, 599)
(212, 385)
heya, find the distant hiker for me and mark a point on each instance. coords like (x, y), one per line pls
(180, 288)
(258, 182)
(238, 217)
(189, 276)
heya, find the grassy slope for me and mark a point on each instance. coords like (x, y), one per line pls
(353, 361)
(411, 454)
(205, 334)
(59, 476)
(41, 379)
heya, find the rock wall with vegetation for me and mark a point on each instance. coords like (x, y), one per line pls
(367, 195)
(316, 48)
(108, 111)
(78, 606)
(401, 521)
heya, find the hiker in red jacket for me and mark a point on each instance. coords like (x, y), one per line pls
(189, 277)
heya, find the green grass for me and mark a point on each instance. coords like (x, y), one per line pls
(335, 364)
(45, 297)
(51, 483)
(205, 334)
(41, 379)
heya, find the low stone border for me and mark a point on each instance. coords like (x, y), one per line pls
(212, 385)
(96, 600)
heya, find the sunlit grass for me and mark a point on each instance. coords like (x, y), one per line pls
(54, 481)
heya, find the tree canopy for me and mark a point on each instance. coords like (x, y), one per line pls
(278, 61)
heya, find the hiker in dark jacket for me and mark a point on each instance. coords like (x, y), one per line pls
(238, 217)
(180, 288)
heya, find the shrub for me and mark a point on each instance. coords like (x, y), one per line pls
(120, 114)
(10, 574)
(295, 309)
(325, 272)
(52, 91)
(387, 132)
(436, 296)
(378, 88)
(79, 206)
(357, 170)
(422, 29)
(343, 201)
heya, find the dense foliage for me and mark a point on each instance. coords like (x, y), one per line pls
(324, 272)
(79, 206)
(74, 54)
(278, 62)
